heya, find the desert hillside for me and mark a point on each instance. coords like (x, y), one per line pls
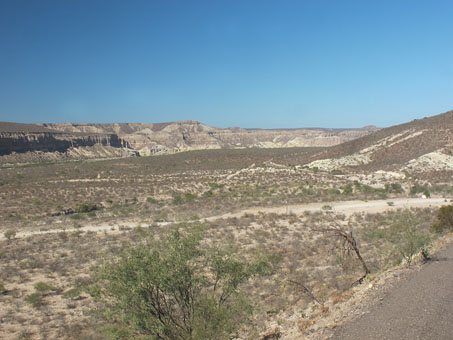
(422, 145)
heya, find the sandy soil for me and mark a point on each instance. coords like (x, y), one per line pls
(344, 207)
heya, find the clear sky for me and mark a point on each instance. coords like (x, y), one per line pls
(244, 63)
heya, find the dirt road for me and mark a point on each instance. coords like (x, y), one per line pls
(418, 308)
(344, 207)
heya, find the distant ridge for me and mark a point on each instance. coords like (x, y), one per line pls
(77, 140)
(425, 143)
(159, 138)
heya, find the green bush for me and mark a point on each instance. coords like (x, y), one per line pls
(444, 219)
(407, 238)
(42, 287)
(173, 289)
(35, 299)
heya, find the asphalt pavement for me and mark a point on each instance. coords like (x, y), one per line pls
(418, 308)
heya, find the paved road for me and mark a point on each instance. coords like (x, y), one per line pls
(419, 308)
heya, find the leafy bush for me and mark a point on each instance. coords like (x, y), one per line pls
(174, 289)
(407, 238)
(35, 299)
(42, 287)
(444, 219)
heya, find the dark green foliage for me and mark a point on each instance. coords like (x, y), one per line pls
(174, 289)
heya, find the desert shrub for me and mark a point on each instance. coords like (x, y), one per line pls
(76, 217)
(190, 197)
(407, 237)
(151, 200)
(347, 189)
(42, 287)
(177, 199)
(174, 289)
(444, 219)
(85, 208)
(215, 186)
(417, 189)
(35, 299)
(10, 234)
(399, 235)
(2, 288)
(394, 188)
(72, 293)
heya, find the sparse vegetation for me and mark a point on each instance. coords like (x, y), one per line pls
(173, 289)
(141, 199)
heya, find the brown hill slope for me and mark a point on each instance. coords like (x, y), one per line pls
(420, 145)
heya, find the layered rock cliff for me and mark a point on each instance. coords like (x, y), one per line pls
(20, 142)
(192, 135)
(71, 140)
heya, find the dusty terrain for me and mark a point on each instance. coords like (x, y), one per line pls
(60, 219)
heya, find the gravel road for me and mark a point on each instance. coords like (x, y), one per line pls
(420, 307)
(344, 207)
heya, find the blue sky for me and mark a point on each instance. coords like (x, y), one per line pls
(244, 63)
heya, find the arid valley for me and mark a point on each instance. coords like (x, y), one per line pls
(308, 205)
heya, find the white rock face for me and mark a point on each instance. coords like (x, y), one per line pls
(436, 160)
(336, 163)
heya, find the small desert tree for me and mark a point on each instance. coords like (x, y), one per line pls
(175, 289)
(348, 246)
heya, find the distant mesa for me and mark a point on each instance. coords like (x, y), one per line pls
(85, 140)
(421, 145)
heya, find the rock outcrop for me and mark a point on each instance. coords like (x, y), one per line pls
(192, 135)
(70, 140)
